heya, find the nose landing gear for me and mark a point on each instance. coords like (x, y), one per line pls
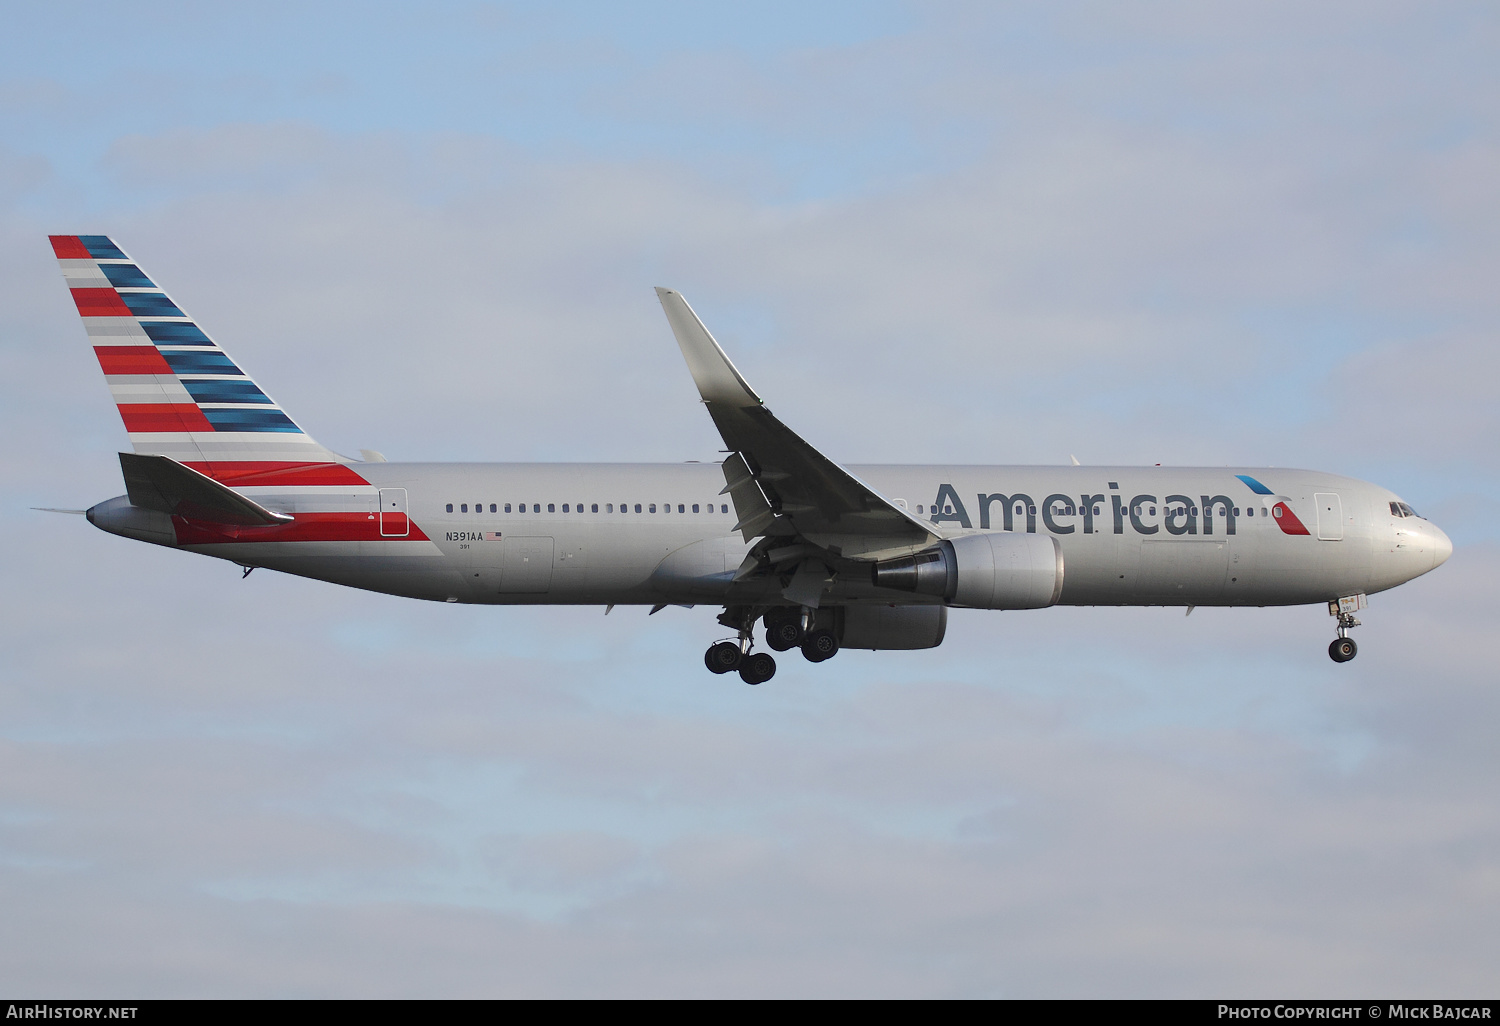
(1343, 647)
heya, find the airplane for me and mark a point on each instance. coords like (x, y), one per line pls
(818, 555)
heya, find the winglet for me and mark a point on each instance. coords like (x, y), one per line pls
(716, 377)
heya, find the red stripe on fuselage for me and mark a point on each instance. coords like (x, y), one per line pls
(69, 247)
(163, 417)
(307, 527)
(132, 360)
(1287, 520)
(265, 473)
(100, 303)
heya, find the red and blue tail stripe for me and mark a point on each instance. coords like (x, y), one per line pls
(179, 394)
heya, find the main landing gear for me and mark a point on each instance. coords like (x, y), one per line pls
(754, 667)
(1343, 648)
(786, 628)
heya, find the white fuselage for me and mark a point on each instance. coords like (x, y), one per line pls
(663, 533)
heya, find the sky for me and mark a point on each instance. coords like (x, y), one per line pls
(1261, 234)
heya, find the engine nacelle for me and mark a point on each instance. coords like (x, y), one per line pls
(997, 570)
(892, 628)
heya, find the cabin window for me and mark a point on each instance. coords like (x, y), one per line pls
(507, 507)
(450, 507)
(493, 508)
(723, 508)
(653, 507)
(638, 507)
(1098, 511)
(1236, 511)
(595, 508)
(1153, 511)
(464, 508)
(1278, 511)
(536, 507)
(681, 508)
(551, 507)
(919, 507)
(578, 507)
(695, 507)
(565, 507)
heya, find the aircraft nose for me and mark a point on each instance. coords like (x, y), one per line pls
(1442, 546)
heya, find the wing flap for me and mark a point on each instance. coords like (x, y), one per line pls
(161, 483)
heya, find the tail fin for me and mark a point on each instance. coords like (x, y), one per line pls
(179, 394)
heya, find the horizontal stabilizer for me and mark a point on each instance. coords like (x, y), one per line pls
(163, 484)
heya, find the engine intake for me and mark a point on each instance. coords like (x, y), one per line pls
(998, 570)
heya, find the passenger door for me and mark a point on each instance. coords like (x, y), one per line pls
(394, 523)
(1330, 516)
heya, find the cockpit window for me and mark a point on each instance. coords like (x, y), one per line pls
(1406, 510)
(1396, 510)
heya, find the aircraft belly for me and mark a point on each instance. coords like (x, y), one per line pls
(412, 569)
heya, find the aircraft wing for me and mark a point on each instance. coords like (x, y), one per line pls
(781, 485)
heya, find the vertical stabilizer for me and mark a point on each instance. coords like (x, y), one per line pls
(178, 393)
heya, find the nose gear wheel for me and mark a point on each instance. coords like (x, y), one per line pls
(1342, 650)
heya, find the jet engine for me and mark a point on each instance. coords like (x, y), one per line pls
(999, 570)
